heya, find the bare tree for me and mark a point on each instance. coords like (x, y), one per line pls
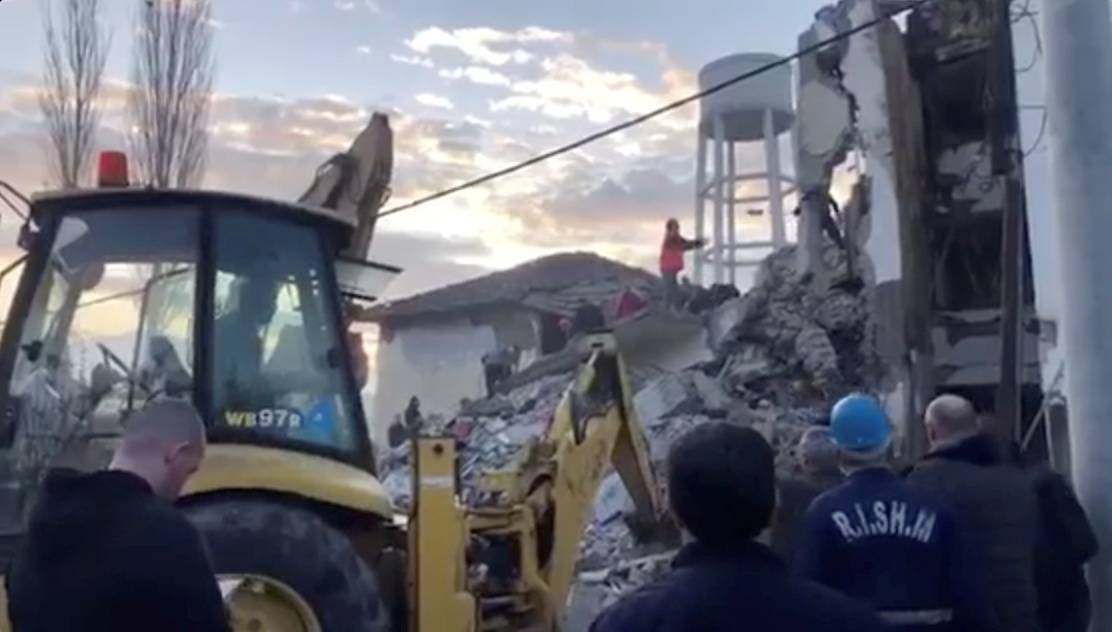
(172, 72)
(76, 50)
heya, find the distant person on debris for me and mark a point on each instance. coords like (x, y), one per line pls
(818, 460)
(721, 484)
(109, 552)
(499, 365)
(413, 418)
(878, 539)
(995, 503)
(588, 317)
(671, 260)
(630, 303)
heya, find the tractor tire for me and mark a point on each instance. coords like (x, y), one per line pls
(296, 547)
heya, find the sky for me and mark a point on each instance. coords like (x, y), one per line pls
(469, 87)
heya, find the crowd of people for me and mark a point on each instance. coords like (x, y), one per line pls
(965, 540)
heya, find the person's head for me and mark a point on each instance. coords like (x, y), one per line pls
(258, 299)
(949, 419)
(163, 444)
(817, 452)
(672, 226)
(861, 430)
(722, 483)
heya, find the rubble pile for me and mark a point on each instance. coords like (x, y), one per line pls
(782, 352)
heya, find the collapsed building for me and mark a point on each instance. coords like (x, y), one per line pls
(908, 101)
(431, 345)
(894, 121)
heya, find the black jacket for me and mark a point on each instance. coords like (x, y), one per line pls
(1066, 543)
(878, 539)
(796, 495)
(744, 587)
(996, 509)
(103, 553)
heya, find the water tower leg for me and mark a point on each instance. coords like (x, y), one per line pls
(775, 196)
(700, 200)
(731, 211)
(719, 195)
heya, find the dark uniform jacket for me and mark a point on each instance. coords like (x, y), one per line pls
(102, 554)
(796, 495)
(877, 539)
(996, 507)
(1066, 543)
(743, 587)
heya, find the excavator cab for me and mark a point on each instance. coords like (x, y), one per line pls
(129, 296)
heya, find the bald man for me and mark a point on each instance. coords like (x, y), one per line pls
(108, 551)
(995, 504)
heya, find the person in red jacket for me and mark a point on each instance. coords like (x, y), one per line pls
(671, 259)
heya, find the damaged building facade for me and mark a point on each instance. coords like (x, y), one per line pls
(431, 345)
(905, 103)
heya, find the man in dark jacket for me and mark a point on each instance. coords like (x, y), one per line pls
(994, 503)
(877, 539)
(722, 489)
(818, 459)
(107, 551)
(1066, 543)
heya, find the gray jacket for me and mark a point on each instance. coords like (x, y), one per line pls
(996, 506)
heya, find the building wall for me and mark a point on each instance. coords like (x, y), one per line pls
(440, 361)
(1034, 136)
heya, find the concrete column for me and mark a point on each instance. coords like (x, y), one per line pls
(731, 211)
(700, 200)
(1078, 45)
(775, 188)
(719, 196)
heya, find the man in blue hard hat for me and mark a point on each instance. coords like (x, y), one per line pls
(877, 539)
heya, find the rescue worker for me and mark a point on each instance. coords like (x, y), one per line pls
(819, 460)
(671, 260)
(995, 503)
(498, 366)
(878, 539)
(108, 551)
(721, 487)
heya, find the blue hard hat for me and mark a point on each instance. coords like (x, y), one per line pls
(859, 424)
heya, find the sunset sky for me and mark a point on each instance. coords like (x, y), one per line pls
(470, 87)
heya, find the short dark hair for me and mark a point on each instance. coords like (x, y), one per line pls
(722, 483)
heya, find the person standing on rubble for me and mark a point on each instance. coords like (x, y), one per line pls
(671, 260)
(878, 539)
(995, 502)
(721, 484)
(109, 552)
(819, 460)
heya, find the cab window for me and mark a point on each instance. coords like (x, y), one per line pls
(277, 354)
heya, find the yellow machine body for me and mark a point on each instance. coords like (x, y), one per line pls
(231, 467)
(538, 512)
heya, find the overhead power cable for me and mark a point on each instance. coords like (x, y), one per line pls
(637, 120)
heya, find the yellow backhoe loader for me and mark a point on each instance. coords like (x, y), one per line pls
(235, 303)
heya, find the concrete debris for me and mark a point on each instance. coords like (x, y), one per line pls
(783, 352)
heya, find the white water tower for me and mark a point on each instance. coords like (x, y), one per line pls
(758, 109)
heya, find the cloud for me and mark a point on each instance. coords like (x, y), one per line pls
(434, 101)
(571, 87)
(345, 5)
(478, 43)
(476, 74)
(423, 62)
(363, 50)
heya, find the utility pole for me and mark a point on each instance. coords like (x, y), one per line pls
(1077, 36)
(1007, 165)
